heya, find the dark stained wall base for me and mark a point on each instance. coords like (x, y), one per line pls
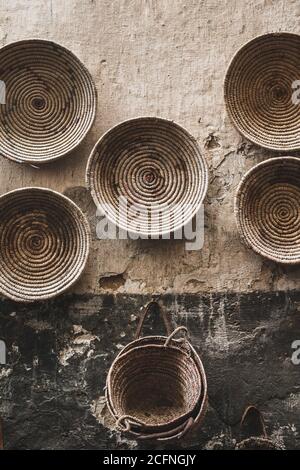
(59, 352)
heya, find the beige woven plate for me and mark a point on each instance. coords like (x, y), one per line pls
(267, 208)
(44, 244)
(259, 89)
(50, 101)
(155, 165)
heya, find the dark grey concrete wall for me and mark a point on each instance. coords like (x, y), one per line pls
(59, 352)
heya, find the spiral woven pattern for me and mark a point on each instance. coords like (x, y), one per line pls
(155, 384)
(260, 91)
(156, 166)
(44, 244)
(267, 209)
(50, 101)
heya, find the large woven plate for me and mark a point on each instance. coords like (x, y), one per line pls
(156, 166)
(44, 244)
(50, 101)
(259, 91)
(267, 209)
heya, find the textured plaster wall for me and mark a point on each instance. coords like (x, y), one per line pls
(52, 388)
(165, 58)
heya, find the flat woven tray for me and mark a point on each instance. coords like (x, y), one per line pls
(44, 244)
(50, 101)
(267, 208)
(156, 168)
(260, 93)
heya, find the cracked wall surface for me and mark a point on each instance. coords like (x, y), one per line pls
(52, 389)
(166, 58)
(170, 63)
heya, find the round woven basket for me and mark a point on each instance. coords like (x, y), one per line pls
(260, 93)
(267, 208)
(181, 427)
(156, 387)
(44, 244)
(50, 101)
(148, 176)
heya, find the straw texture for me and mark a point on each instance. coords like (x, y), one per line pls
(259, 89)
(44, 244)
(156, 385)
(257, 443)
(153, 163)
(179, 427)
(267, 209)
(50, 101)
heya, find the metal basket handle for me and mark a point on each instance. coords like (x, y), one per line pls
(146, 310)
(251, 409)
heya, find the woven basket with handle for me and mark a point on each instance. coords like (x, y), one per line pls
(253, 418)
(156, 387)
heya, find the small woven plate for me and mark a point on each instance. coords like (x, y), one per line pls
(44, 244)
(267, 209)
(156, 168)
(50, 101)
(260, 91)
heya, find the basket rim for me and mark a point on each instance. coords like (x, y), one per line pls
(94, 92)
(257, 439)
(154, 118)
(236, 205)
(162, 338)
(150, 337)
(225, 83)
(87, 229)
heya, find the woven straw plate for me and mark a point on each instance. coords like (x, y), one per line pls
(50, 101)
(267, 209)
(259, 91)
(156, 167)
(44, 244)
